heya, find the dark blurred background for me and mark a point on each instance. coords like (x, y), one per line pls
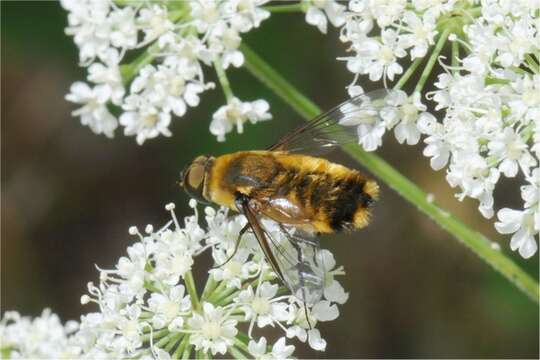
(69, 196)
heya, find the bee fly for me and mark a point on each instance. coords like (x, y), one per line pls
(304, 194)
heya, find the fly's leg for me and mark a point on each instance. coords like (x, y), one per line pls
(300, 275)
(236, 246)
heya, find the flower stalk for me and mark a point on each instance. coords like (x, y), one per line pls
(432, 60)
(192, 290)
(475, 241)
(289, 8)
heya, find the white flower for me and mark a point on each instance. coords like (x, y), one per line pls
(279, 350)
(154, 21)
(41, 338)
(212, 330)
(94, 112)
(333, 291)
(123, 31)
(108, 74)
(145, 122)
(517, 40)
(525, 104)
(261, 305)
(175, 41)
(169, 307)
(521, 224)
(237, 113)
(88, 26)
(143, 304)
(386, 11)
(437, 148)
(381, 55)
(247, 14)
(509, 147)
(404, 111)
(422, 31)
(318, 10)
(235, 270)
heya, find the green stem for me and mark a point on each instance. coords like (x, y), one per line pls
(164, 341)
(223, 80)
(180, 349)
(208, 287)
(187, 350)
(172, 342)
(218, 292)
(432, 60)
(225, 294)
(236, 353)
(227, 298)
(412, 68)
(455, 56)
(531, 64)
(155, 335)
(298, 7)
(192, 290)
(241, 344)
(410, 191)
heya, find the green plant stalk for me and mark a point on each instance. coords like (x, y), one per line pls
(180, 349)
(298, 7)
(241, 345)
(535, 68)
(192, 290)
(155, 335)
(187, 351)
(223, 80)
(403, 186)
(455, 56)
(432, 60)
(236, 353)
(164, 341)
(175, 338)
(410, 70)
(208, 287)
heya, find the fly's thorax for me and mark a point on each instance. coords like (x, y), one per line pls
(240, 172)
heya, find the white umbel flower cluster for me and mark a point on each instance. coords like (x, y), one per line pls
(490, 95)
(149, 306)
(145, 60)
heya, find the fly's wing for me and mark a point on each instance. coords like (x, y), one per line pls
(337, 126)
(293, 255)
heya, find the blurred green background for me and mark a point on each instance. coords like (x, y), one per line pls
(69, 196)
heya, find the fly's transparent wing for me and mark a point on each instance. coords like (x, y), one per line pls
(297, 256)
(337, 126)
(292, 254)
